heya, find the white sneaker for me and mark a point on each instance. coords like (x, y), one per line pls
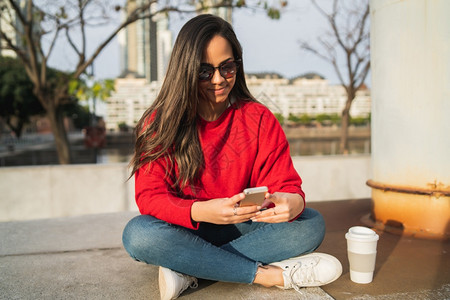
(314, 269)
(172, 284)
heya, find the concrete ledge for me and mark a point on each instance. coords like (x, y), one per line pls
(58, 191)
(330, 178)
(41, 192)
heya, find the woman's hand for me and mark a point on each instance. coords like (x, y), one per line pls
(287, 207)
(223, 211)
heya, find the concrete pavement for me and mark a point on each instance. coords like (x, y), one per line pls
(83, 258)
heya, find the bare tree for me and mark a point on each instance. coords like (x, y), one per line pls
(346, 46)
(31, 29)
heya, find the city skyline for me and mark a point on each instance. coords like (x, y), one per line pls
(269, 45)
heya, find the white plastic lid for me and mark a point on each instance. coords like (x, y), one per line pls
(362, 233)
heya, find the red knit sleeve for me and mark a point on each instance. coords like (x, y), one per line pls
(154, 193)
(273, 165)
(155, 196)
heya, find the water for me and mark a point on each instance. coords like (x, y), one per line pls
(119, 155)
(119, 146)
(122, 153)
(301, 147)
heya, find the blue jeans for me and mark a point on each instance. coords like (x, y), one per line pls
(229, 253)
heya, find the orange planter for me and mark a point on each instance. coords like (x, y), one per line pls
(422, 213)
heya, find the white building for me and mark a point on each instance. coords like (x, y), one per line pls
(308, 94)
(130, 100)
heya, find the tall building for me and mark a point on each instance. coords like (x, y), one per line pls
(145, 45)
(223, 12)
(9, 25)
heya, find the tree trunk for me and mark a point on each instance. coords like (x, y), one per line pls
(345, 121)
(343, 144)
(59, 132)
(16, 128)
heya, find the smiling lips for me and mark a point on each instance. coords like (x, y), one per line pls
(219, 91)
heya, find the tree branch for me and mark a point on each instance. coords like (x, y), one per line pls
(83, 33)
(339, 73)
(136, 14)
(307, 47)
(362, 36)
(52, 43)
(349, 39)
(362, 76)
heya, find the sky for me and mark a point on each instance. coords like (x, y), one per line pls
(273, 45)
(268, 45)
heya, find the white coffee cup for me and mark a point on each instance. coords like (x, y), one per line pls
(362, 251)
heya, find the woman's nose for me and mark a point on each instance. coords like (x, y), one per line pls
(217, 77)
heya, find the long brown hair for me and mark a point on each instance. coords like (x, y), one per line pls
(168, 128)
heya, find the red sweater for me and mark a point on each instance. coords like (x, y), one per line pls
(245, 147)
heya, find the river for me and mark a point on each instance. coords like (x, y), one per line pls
(302, 141)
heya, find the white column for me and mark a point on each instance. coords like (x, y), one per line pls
(410, 61)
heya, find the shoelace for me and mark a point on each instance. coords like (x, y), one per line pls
(304, 273)
(188, 281)
(194, 284)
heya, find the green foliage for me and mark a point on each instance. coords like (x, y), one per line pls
(100, 89)
(305, 119)
(359, 121)
(62, 14)
(321, 118)
(17, 101)
(123, 126)
(279, 117)
(326, 119)
(240, 3)
(335, 118)
(293, 118)
(273, 13)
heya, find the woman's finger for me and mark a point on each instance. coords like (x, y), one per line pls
(246, 212)
(234, 200)
(267, 201)
(271, 215)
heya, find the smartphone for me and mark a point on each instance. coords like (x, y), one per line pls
(254, 196)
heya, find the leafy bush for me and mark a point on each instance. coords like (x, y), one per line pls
(279, 117)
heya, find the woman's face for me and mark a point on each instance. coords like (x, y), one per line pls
(216, 90)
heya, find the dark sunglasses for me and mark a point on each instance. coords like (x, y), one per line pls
(227, 69)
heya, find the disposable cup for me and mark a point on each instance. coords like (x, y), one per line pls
(361, 251)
